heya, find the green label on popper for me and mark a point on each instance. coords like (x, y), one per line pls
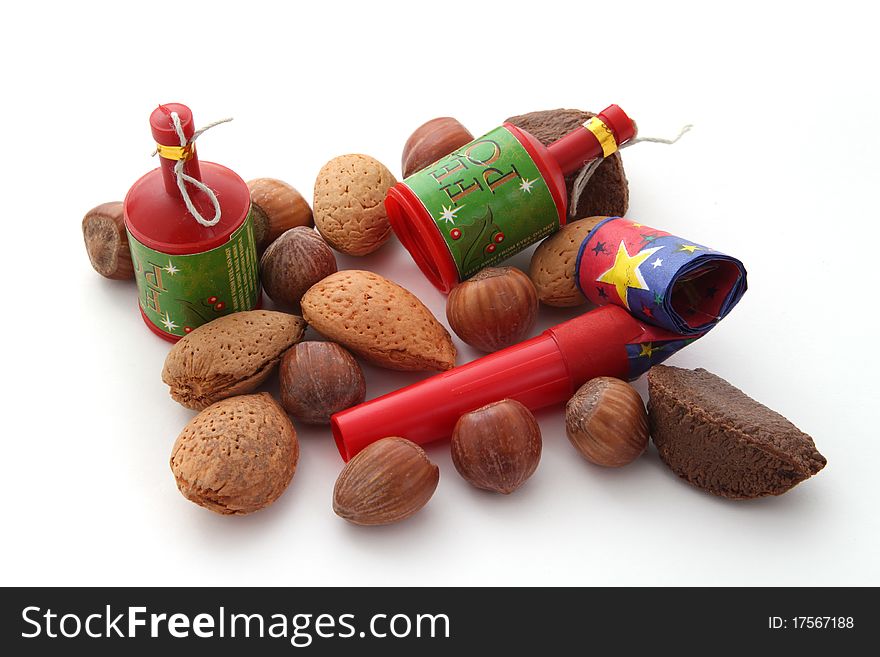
(488, 199)
(179, 293)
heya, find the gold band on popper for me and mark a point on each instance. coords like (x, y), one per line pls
(176, 152)
(603, 134)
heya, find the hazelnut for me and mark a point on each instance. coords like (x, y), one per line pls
(277, 207)
(103, 229)
(350, 203)
(497, 447)
(293, 263)
(431, 141)
(494, 309)
(606, 421)
(387, 481)
(318, 379)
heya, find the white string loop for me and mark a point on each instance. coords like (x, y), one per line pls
(183, 178)
(584, 175)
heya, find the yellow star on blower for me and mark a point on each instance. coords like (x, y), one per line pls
(648, 349)
(624, 273)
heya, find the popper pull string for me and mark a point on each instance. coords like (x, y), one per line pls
(182, 154)
(583, 177)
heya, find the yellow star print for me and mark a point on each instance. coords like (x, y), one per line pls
(648, 349)
(690, 248)
(624, 273)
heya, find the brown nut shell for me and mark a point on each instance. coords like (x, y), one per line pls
(229, 356)
(607, 192)
(606, 421)
(293, 263)
(497, 447)
(553, 262)
(431, 141)
(379, 321)
(277, 207)
(103, 230)
(719, 439)
(494, 309)
(319, 379)
(236, 456)
(386, 482)
(350, 203)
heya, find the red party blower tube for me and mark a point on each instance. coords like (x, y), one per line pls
(540, 372)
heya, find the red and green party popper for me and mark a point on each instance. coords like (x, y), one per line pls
(495, 196)
(191, 233)
(677, 289)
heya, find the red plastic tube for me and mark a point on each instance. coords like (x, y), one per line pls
(540, 372)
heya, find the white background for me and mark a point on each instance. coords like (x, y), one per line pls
(780, 170)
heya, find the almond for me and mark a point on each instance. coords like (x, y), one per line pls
(349, 203)
(378, 320)
(553, 262)
(386, 482)
(229, 356)
(237, 456)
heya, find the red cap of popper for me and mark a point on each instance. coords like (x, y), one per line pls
(165, 134)
(621, 125)
(540, 372)
(155, 213)
(162, 125)
(600, 136)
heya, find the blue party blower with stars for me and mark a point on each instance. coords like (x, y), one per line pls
(674, 284)
(657, 293)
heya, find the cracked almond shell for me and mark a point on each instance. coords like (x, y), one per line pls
(236, 456)
(228, 356)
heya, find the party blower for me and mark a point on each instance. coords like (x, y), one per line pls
(657, 293)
